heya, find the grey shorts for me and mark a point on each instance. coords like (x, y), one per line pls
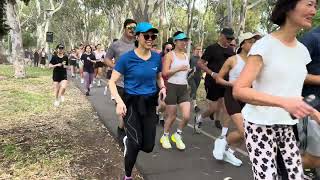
(177, 94)
(309, 135)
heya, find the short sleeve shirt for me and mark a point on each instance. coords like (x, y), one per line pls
(117, 49)
(216, 55)
(56, 60)
(312, 41)
(88, 66)
(140, 76)
(282, 74)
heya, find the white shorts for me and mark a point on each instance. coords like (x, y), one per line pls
(309, 135)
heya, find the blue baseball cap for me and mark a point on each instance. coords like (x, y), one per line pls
(181, 36)
(143, 27)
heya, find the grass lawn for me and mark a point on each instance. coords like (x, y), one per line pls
(39, 141)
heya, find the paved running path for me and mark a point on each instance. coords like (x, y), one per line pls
(195, 163)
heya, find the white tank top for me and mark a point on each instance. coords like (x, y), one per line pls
(99, 55)
(234, 73)
(181, 76)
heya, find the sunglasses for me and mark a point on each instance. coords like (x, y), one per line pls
(131, 27)
(147, 37)
(230, 39)
(168, 50)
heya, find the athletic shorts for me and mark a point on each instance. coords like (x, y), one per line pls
(214, 91)
(58, 77)
(73, 63)
(176, 94)
(233, 106)
(98, 65)
(309, 136)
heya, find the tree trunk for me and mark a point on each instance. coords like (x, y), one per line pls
(16, 39)
(230, 14)
(242, 17)
(202, 33)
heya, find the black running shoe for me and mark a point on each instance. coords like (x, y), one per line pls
(217, 123)
(311, 174)
(212, 116)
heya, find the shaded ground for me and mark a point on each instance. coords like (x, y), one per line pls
(38, 141)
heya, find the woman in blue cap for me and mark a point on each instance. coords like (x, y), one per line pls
(141, 69)
(176, 67)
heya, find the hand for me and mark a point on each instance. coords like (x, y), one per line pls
(183, 68)
(316, 116)
(93, 61)
(163, 94)
(88, 58)
(59, 65)
(121, 109)
(297, 107)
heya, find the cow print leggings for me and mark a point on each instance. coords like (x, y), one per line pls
(262, 143)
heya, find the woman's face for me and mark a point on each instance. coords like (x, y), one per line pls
(303, 13)
(146, 39)
(88, 49)
(181, 44)
(168, 48)
(246, 46)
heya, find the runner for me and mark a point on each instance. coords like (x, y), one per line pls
(108, 74)
(99, 54)
(215, 56)
(271, 85)
(141, 69)
(89, 60)
(43, 56)
(176, 67)
(59, 63)
(73, 62)
(79, 54)
(233, 67)
(117, 48)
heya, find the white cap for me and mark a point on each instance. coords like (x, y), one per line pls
(245, 36)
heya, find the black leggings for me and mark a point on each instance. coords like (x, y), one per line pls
(141, 133)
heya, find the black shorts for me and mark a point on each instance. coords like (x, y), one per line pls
(58, 77)
(233, 106)
(73, 63)
(121, 92)
(98, 65)
(214, 91)
(109, 72)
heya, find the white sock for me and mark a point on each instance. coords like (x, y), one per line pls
(165, 133)
(224, 131)
(179, 131)
(199, 118)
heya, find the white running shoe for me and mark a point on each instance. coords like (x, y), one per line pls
(91, 86)
(82, 80)
(176, 138)
(219, 148)
(231, 158)
(56, 103)
(94, 82)
(125, 146)
(61, 98)
(99, 83)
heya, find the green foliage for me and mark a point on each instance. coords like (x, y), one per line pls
(316, 19)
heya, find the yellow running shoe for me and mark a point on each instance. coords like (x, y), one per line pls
(176, 138)
(165, 142)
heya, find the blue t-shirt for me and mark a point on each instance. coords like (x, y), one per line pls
(140, 76)
(312, 41)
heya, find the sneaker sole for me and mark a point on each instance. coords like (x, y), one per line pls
(233, 163)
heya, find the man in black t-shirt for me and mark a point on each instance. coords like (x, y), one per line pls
(59, 63)
(211, 62)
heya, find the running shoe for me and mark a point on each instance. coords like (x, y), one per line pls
(82, 80)
(197, 124)
(219, 148)
(87, 93)
(56, 103)
(62, 98)
(311, 174)
(125, 146)
(91, 86)
(94, 82)
(105, 91)
(176, 138)
(231, 158)
(99, 83)
(165, 142)
(217, 123)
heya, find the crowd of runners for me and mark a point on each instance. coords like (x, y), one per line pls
(259, 86)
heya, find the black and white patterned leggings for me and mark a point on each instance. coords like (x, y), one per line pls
(262, 143)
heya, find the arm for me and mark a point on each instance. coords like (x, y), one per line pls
(312, 79)
(110, 54)
(202, 64)
(162, 87)
(227, 66)
(121, 107)
(108, 62)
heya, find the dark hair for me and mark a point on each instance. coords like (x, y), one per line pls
(164, 47)
(280, 10)
(136, 43)
(240, 48)
(85, 48)
(128, 21)
(97, 45)
(177, 33)
(114, 40)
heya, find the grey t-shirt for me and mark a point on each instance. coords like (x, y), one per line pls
(117, 49)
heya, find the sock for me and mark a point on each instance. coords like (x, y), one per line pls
(199, 118)
(166, 134)
(129, 178)
(224, 131)
(179, 131)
